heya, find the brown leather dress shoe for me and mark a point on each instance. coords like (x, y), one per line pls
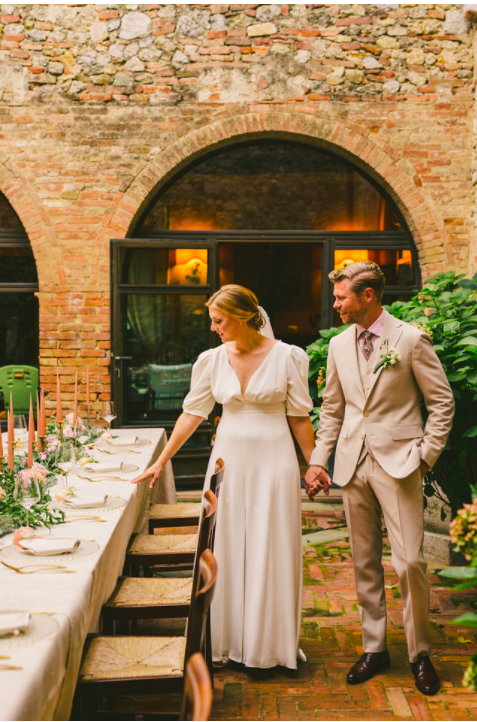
(367, 666)
(425, 676)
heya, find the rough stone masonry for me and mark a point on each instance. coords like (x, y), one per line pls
(99, 104)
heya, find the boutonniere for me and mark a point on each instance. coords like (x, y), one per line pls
(390, 357)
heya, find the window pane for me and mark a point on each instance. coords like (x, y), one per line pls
(19, 334)
(287, 280)
(396, 265)
(8, 218)
(271, 186)
(162, 335)
(17, 265)
(165, 266)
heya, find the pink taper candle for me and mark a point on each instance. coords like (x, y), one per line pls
(31, 435)
(59, 409)
(88, 398)
(11, 437)
(43, 413)
(75, 406)
(1, 443)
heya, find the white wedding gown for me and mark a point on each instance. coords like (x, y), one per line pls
(256, 608)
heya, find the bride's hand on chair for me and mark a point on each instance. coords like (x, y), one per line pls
(154, 472)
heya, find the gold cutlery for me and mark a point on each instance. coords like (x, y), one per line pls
(33, 568)
(123, 451)
(83, 518)
(9, 666)
(101, 478)
(4, 656)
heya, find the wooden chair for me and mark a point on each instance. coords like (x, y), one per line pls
(183, 514)
(160, 597)
(197, 697)
(118, 666)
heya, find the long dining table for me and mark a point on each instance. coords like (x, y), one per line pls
(66, 606)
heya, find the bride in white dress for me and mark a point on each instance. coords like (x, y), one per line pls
(263, 387)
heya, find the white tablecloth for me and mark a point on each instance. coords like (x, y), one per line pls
(44, 688)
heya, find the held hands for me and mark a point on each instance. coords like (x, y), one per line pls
(316, 479)
(153, 471)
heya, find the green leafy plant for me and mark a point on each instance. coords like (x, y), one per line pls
(446, 309)
(41, 514)
(464, 535)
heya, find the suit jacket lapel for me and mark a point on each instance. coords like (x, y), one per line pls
(350, 351)
(391, 333)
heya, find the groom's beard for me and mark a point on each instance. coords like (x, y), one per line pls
(356, 316)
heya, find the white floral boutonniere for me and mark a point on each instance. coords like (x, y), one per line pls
(390, 357)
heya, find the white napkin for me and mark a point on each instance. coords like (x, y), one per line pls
(14, 622)
(123, 441)
(84, 502)
(49, 547)
(104, 466)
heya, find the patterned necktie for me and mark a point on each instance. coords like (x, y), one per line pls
(367, 347)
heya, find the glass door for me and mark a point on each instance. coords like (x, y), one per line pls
(160, 325)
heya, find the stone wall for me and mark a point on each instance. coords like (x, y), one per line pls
(99, 105)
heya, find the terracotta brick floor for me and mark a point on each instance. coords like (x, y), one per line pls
(331, 640)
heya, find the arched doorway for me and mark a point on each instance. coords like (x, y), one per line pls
(19, 327)
(272, 215)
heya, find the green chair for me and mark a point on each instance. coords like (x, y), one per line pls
(20, 382)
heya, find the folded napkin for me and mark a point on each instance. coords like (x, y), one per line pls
(49, 547)
(104, 466)
(74, 501)
(14, 622)
(123, 441)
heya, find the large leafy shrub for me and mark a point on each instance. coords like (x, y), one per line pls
(446, 308)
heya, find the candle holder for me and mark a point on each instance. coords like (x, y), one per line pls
(60, 425)
(88, 415)
(41, 443)
(2, 463)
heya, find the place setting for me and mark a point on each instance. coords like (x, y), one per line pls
(22, 628)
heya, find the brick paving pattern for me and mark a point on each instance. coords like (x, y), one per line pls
(331, 640)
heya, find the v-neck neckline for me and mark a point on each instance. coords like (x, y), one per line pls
(243, 393)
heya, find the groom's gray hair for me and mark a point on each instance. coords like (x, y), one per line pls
(362, 275)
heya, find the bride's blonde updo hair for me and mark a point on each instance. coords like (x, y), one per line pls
(238, 303)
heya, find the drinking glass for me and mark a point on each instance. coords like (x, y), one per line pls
(20, 430)
(108, 413)
(65, 459)
(27, 492)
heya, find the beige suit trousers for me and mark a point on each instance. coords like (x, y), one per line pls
(371, 490)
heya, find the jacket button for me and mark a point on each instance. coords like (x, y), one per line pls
(366, 413)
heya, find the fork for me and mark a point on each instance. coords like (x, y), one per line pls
(4, 667)
(101, 478)
(124, 451)
(39, 568)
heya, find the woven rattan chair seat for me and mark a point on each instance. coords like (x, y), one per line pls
(164, 544)
(147, 591)
(164, 511)
(111, 658)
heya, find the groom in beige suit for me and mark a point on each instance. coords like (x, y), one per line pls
(372, 411)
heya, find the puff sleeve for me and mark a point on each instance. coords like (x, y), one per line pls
(200, 400)
(298, 401)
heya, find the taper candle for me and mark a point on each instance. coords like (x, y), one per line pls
(31, 434)
(59, 409)
(43, 413)
(75, 405)
(11, 437)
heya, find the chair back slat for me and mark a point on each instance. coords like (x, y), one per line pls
(206, 528)
(217, 477)
(200, 603)
(197, 697)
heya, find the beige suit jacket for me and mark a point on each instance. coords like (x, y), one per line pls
(390, 416)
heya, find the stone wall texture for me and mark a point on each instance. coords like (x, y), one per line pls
(100, 104)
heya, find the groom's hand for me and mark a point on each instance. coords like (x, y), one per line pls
(423, 468)
(316, 479)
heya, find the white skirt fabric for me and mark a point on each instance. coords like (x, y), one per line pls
(256, 609)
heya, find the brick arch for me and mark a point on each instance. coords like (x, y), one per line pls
(352, 142)
(25, 202)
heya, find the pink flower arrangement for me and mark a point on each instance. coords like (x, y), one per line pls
(37, 470)
(68, 432)
(23, 533)
(463, 530)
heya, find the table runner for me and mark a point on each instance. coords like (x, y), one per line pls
(44, 689)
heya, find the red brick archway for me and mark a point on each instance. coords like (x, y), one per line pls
(27, 205)
(342, 138)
